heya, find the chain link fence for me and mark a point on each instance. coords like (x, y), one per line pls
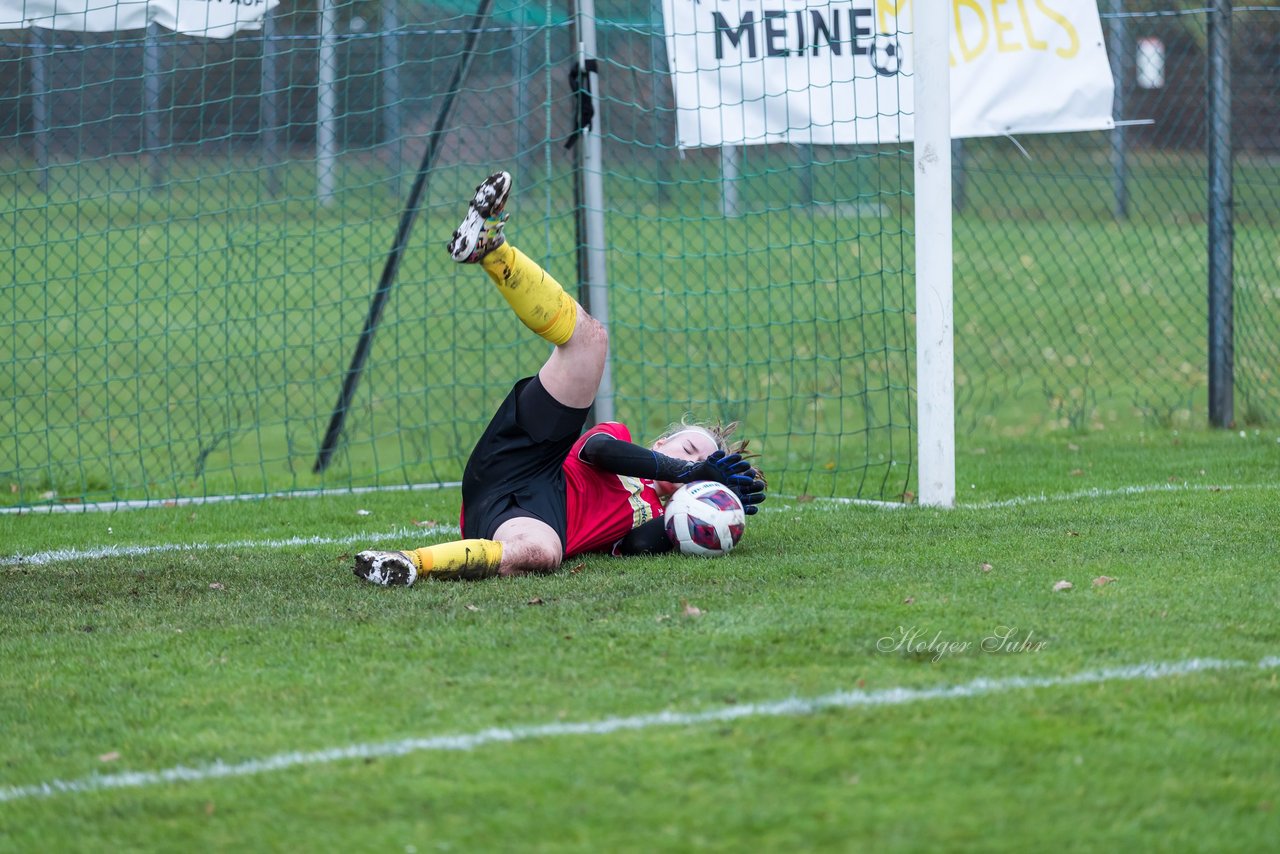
(198, 226)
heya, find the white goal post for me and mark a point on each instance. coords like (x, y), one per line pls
(935, 361)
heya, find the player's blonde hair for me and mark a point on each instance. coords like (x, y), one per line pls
(719, 433)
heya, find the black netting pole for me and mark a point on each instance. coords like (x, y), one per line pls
(380, 296)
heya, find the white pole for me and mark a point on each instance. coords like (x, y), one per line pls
(327, 102)
(935, 368)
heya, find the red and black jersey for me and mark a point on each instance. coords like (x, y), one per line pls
(603, 507)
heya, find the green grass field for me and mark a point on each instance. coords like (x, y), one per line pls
(196, 678)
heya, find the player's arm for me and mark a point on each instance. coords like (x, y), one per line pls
(631, 460)
(647, 539)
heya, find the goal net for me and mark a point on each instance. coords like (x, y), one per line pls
(190, 275)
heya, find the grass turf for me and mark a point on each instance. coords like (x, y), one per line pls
(160, 659)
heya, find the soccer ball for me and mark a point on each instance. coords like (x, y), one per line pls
(704, 518)
(886, 55)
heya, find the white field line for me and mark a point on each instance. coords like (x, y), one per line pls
(1042, 498)
(70, 555)
(795, 706)
(148, 503)
(1118, 492)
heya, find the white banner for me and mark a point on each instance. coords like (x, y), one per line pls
(838, 71)
(215, 19)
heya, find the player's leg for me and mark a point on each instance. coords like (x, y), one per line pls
(570, 377)
(572, 374)
(528, 545)
(469, 558)
(520, 545)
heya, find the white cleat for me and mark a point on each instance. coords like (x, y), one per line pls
(390, 569)
(481, 230)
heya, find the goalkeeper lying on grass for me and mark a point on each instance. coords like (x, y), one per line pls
(535, 491)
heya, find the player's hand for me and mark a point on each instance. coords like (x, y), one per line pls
(752, 495)
(731, 470)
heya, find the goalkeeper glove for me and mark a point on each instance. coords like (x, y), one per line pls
(751, 495)
(731, 470)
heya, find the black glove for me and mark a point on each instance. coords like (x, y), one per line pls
(731, 470)
(751, 495)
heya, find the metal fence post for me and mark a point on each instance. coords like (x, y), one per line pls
(591, 202)
(327, 102)
(392, 64)
(1118, 33)
(152, 110)
(730, 172)
(269, 109)
(1221, 234)
(42, 96)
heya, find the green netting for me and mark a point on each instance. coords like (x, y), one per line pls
(194, 253)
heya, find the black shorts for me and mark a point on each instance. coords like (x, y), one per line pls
(516, 468)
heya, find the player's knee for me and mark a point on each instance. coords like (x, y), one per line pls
(545, 558)
(591, 333)
(531, 555)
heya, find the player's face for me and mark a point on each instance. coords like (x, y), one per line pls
(692, 444)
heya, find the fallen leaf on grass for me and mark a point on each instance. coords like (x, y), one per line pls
(1062, 585)
(574, 570)
(804, 499)
(1102, 580)
(215, 586)
(910, 600)
(536, 600)
(109, 757)
(1071, 533)
(986, 567)
(691, 610)
(1077, 472)
(425, 523)
(470, 607)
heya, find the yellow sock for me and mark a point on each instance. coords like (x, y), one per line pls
(460, 559)
(537, 298)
